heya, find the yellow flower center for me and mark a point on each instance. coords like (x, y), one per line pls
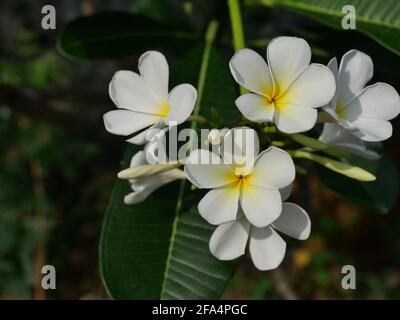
(341, 111)
(274, 99)
(243, 181)
(274, 102)
(164, 109)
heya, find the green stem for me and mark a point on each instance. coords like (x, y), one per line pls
(237, 28)
(236, 24)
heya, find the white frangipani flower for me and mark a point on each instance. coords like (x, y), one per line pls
(143, 100)
(336, 136)
(364, 111)
(254, 181)
(287, 90)
(267, 248)
(142, 187)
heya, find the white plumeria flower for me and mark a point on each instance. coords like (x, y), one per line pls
(253, 183)
(336, 136)
(144, 186)
(363, 111)
(143, 100)
(287, 90)
(267, 248)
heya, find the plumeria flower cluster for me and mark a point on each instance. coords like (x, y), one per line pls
(249, 180)
(245, 199)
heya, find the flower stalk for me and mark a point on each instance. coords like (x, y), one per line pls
(343, 168)
(237, 28)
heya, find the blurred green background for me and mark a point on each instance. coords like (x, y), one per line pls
(58, 165)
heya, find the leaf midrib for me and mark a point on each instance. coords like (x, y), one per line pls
(200, 87)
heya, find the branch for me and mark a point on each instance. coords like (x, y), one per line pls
(283, 286)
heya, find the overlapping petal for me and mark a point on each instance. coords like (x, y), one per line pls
(255, 107)
(287, 58)
(250, 70)
(274, 168)
(220, 205)
(293, 221)
(267, 248)
(229, 240)
(293, 118)
(356, 69)
(181, 102)
(206, 170)
(155, 71)
(339, 137)
(260, 205)
(313, 88)
(128, 90)
(126, 122)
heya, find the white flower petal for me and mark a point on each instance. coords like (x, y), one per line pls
(155, 181)
(140, 138)
(339, 137)
(129, 91)
(274, 168)
(136, 196)
(286, 192)
(125, 122)
(250, 70)
(144, 186)
(293, 221)
(229, 240)
(358, 149)
(330, 133)
(255, 107)
(372, 130)
(313, 88)
(181, 101)
(267, 248)
(240, 149)
(287, 57)
(356, 69)
(220, 205)
(154, 69)
(292, 118)
(138, 159)
(379, 101)
(261, 206)
(206, 170)
(333, 66)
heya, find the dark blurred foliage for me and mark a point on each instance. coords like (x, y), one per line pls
(58, 165)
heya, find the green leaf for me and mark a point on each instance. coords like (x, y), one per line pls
(379, 19)
(167, 12)
(159, 248)
(119, 34)
(379, 195)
